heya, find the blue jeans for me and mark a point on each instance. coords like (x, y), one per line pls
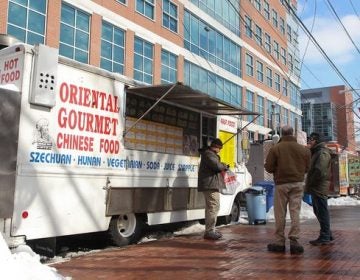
(321, 212)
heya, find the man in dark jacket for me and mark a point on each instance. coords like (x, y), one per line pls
(210, 181)
(317, 184)
(288, 161)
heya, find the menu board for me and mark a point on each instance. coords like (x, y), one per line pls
(152, 136)
(354, 170)
(165, 128)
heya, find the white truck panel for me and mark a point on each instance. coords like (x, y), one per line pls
(59, 205)
(71, 152)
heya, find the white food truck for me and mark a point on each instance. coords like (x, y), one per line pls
(85, 150)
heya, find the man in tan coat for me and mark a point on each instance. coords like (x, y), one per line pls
(288, 161)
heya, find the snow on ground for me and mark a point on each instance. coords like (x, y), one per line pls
(343, 200)
(23, 264)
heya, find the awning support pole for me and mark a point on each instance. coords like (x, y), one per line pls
(152, 107)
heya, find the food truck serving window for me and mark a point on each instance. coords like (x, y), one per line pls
(166, 118)
(165, 128)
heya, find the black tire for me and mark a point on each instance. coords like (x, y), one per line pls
(234, 214)
(242, 199)
(125, 229)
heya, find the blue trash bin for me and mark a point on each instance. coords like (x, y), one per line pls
(256, 205)
(269, 189)
(307, 198)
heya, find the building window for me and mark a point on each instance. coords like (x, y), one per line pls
(289, 34)
(295, 96)
(201, 39)
(274, 18)
(249, 65)
(258, 5)
(276, 50)
(269, 114)
(297, 67)
(112, 48)
(268, 43)
(285, 87)
(26, 20)
(168, 67)
(260, 71)
(260, 110)
(295, 37)
(74, 33)
(248, 26)
(258, 35)
(250, 104)
(225, 12)
(282, 26)
(122, 1)
(146, 7)
(290, 62)
(285, 116)
(266, 10)
(143, 61)
(170, 15)
(277, 82)
(268, 77)
(212, 84)
(283, 56)
(276, 117)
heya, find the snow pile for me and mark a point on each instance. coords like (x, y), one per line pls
(305, 213)
(23, 264)
(343, 200)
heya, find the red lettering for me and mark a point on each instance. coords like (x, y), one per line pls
(86, 97)
(109, 146)
(84, 121)
(11, 64)
(64, 92)
(75, 142)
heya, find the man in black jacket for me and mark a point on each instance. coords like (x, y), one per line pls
(210, 181)
(317, 184)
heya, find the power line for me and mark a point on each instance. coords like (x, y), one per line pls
(353, 7)
(308, 41)
(342, 25)
(321, 50)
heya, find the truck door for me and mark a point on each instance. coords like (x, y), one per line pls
(227, 153)
(9, 132)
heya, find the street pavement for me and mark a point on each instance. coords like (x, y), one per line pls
(240, 254)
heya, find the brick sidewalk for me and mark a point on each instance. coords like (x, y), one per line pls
(241, 254)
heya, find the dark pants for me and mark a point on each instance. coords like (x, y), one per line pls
(321, 212)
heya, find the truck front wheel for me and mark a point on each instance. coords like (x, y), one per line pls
(125, 229)
(234, 214)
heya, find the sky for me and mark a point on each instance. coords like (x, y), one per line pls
(319, 19)
(23, 264)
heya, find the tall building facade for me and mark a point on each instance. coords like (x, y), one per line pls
(329, 111)
(244, 52)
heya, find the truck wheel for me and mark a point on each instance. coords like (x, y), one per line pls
(125, 229)
(234, 214)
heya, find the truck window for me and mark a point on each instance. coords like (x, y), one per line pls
(165, 128)
(208, 130)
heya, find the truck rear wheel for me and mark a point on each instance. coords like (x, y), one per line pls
(125, 229)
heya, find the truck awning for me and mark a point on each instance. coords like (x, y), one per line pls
(180, 94)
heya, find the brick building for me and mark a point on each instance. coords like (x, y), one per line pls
(244, 52)
(329, 111)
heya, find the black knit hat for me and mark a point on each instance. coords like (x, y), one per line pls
(216, 143)
(316, 136)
